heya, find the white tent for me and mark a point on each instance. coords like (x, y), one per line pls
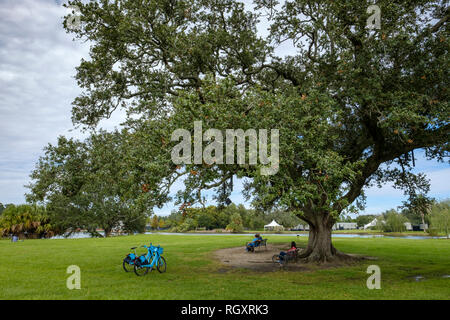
(371, 224)
(273, 225)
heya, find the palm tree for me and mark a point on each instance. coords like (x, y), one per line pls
(26, 221)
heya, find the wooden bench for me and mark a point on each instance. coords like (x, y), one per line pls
(291, 256)
(259, 244)
(263, 243)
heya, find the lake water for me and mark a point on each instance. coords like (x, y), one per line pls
(81, 235)
(337, 235)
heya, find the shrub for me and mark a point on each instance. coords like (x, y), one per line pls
(187, 225)
(440, 218)
(236, 224)
(394, 222)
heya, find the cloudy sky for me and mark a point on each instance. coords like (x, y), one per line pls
(37, 86)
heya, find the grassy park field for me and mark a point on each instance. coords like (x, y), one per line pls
(36, 269)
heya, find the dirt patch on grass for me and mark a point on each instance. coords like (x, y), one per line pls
(261, 260)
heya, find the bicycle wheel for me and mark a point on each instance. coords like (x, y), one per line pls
(126, 266)
(276, 258)
(162, 266)
(140, 271)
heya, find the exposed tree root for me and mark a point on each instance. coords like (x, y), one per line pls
(333, 256)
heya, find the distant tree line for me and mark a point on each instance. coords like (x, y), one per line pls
(430, 212)
(36, 221)
(233, 217)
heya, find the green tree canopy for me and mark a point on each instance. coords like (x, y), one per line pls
(351, 104)
(86, 184)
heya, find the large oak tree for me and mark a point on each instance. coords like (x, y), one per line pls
(351, 104)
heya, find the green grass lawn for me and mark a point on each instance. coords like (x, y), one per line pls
(36, 269)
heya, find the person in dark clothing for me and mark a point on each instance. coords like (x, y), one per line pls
(292, 249)
(255, 242)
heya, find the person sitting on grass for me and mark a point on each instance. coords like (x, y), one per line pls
(255, 242)
(292, 249)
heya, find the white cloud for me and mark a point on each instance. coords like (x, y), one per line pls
(37, 86)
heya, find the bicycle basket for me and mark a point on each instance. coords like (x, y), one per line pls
(160, 250)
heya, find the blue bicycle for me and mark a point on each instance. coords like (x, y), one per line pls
(128, 261)
(153, 258)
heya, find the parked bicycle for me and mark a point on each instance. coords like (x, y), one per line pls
(128, 261)
(152, 259)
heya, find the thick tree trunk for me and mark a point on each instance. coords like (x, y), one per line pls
(320, 248)
(107, 232)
